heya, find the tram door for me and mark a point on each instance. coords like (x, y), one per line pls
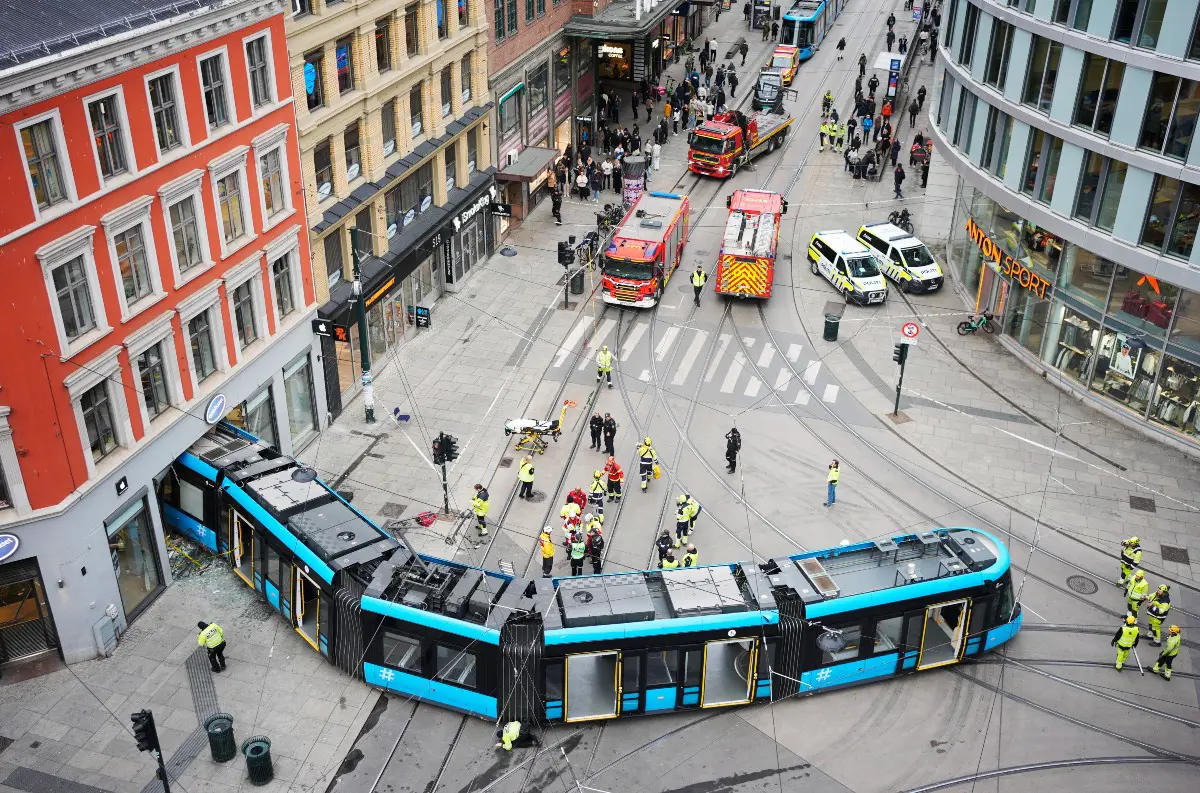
(593, 688)
(308, 608)
(943, 639)
(729, 669)
(241, 546)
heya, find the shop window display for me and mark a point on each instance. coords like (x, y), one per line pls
(1078, 336)
(1177, 396)
(1125, 369)
(1027, 316)
(1186, 333)
(1142, 302)
(1042, 249)
(134, 557)
(1085, 276)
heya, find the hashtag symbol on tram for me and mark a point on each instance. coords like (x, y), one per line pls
(824, 675)
(387, 675)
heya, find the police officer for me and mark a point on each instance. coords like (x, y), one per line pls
(1156, 612)
(212, 638)
(610, 434)
(733, 445)
(595, 546)
(596, 492)
(511, 735)
(647, 458)
(525, 475)
(578, 550)
(596, 425)
(691, 557)
(1125, 640)
(681, 523)
(604, 365)
(616, 479)
(698, 279)
(692, 509)
(480, 506)
(1167, 656)
(1131, 558)
(1137, 592)
(831, 483)
(669, 562)
(546, 544)
(663, 544)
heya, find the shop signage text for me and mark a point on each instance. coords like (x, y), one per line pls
(323, 327)
(8, 545)
(381, 291)
(478, 205)
(215, 409)
(505, 210)
(424, 318)
(610, 51)
(1007, 265)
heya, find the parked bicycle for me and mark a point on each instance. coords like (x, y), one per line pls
(901, 219)
(986, 320)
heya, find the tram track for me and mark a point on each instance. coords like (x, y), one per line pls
(1078, 663)
(1052, 765)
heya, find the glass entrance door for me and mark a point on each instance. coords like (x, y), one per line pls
(26, 630)
(942, 641)
(308, 608)
(593, 686)
(241, 547)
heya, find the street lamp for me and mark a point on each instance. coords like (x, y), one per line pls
(364, 342)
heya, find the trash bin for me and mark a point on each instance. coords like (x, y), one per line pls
(831, 327)
(221, 742)
(258, 759)
(577, 282)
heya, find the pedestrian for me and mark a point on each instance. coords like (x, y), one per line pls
(510, 735)
(708, 77)
(746, 11)
(891, 21)
(212, 639)
(617, 177)
(684, 110)
(862, 65)
(606, 170)
(1137, 591)
(525, 476)
(744, 48)
(480, 505)
(691, 558)
(841, 47)
(713, 54)
(720, 102)
(719, 78)
(647, 461)
(577, 547)
(914, 107)
(933, 37)
(876, 127)
(921, 98)
(635, 101)
(895, 151)
(556, 204)
(925, 173)
(1125, 639)
(581, 184)
(1167, 656)
(704, 54)
(831, 482)
(766, 29)
(663, 546)
(604, 365)
(615, 106)
(886, 111)
(774, 31)
(596, 425)
(733, 82)
(1156, 612)
(597, 184)
(1131, 557)
(733, 445)
(616, 479)
(872, 85)
(655, 157)
(595, 548)
(698, 279)
(898, 178)
(546, 544)
(851, 123)
(867, 124)
(841, 136)
(903, 49)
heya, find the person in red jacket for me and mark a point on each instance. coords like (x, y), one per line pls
(579, 497)
(616, 479)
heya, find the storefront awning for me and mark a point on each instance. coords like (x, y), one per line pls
(617, 22)
(529, 165)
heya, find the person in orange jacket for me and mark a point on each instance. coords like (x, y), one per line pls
(616, 479)
(579, 497)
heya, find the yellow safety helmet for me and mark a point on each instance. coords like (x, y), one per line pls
(603, 348)
(646, 440)
(1139, 574)
(587, 518)
(1131, 620)
(1164, 588)
(682, 498)
(1174, 629)
(597, 474)
(1134, 541)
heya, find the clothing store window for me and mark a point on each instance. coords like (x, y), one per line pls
(301, 404)
(1027, 316)
(134, 557)
(257, 416)
(1170, 224)
(1125, 369)
(1078, 336)
(1085, 276)
(1175, 397)
(1186, 333)
(1043, 250)
(1142, 302)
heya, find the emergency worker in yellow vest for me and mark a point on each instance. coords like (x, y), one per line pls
(480, 505)
(1131, 559)
(1126, 639)
(831, 482)
(597, 492)
(1167, 656)
(1137, 592)
(1156, 612)
(698, 279)
(669, 562)
(212, 638)
(511, 735)
(604, 365)
(647, 458)
(525, 475)
(691, 558)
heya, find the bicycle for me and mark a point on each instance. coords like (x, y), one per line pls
(901, 219)
(973, 323)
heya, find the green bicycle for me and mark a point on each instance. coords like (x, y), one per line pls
(972, 324)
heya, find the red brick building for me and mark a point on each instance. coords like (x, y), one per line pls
(157, 278)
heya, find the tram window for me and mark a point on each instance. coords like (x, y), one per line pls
(693, 667)
(554, 681)
(979, 616)
(402, 652)
(914, 630)
(766, 659)
(455, 666)
(191, 499)
(272, 564)
(1007, 602)
(631, 672)
(887, 634)
(852, 636)
(661, 667)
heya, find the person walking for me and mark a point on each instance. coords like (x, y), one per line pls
(577, 547)
(921, 98)
(841, 47)
(1156, 612)
(1169, 653)
(525, 476)
(1137, 592)
(1125, 639)
(774, 31)
(891, 21)
(597, 184)
(743, 49)
(733, 82)
(895, 151)
(746, 11)
(546, 545)
(480, 505)
(698, 279)
(604, 365)
(872, 86)
(1130, 557)
(647, 461)
(616, 479)
(862, 65)
(914, 107)
(691, 558)
(766, 29)
(596, 425)
(831, 483)
(925, 173)
(891, 39)
(556, 198)
(595, 548)
(898, 179)
(212, 639)
(733, 445)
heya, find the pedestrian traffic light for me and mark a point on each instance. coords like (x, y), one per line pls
(450, 447)
(439, 450)
(566, 256)
(900, 353)
(144, 732)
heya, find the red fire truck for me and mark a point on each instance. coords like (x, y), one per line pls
(721, 146)
(746, 265)
(645, 249)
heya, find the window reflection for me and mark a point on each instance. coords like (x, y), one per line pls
(1078, 336)
(1085, 276)
(1143, 302)
(1175, 396)
(1125, 369)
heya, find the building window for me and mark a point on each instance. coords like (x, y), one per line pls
(465, 77)
(270, 170)
(1170, 116)
(134, 558)
(257, 416)
(464, 13)
(529, 12)
(301, 404)
(994, 154)
(383, 45)
(387, 115)
(333, 256)
(999, 49)
(1145, 16)
(108, 136)
(1033, 161)
(951, 21)
(154, 381)
(1061, 11)
(200, 335)
(1098, 91)
(229, 201)
(1050, 171)
(212, 81)
(164, 109)
(1172, 218)
(511, 16)
(541, 8)
(74, 298)
(343, 53)
(416, 193)
(314, 79)
(451, 165)
(1089, 184)
(393, 210)
(414, 110)
(131, 261)
(281, 279)
(510, 116)
(1099, 193)
(98, 419)
(323, 165)
(539, 89)
(562, 70)
(350, 140)
(966, 49)
(258, 64)
(1194, 48)
(498, 13)
(443, 23)
(472, 149)
(1082, 15)
(1043, 71)
(362, 224)
(301, 7)
(412, 41)
(185, 234)
(964, 124)
(447, 92)
(41, 163)
(243, 312)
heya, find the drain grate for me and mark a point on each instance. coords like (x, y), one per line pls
(537, 497)
(506, 462)
(1178, 555)
(1142, 503)
(392, 509)
(1083, 585)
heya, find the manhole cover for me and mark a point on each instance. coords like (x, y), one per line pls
(392, 509)
(1083, 585)
(506, 462)
(1142, 503)
(508, 251)
(537, 497)
(1178, 555)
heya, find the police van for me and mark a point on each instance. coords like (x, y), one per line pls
(902, 257)
(848, 265)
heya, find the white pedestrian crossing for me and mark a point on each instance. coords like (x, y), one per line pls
(767, 355)
(722, 345)
(594, 348)
(639, 330)
(783, 379)
(811, 371)
(664, 344)
(802, 396)
(753, 386)
(568, 346)
(748, 341)
(644, 376)
(735, 371)
(793, 352)
(831, 392)
(689, 358)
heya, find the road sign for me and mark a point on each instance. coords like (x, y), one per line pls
(909, 332)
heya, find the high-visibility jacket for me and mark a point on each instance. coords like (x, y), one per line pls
(670, 564)
(1137, 590)
(570, 512)
(211, 637)
(699, 277)
(597, 487)
(547, 546)
(615, 474)
(681, 518)
(1171, 646)
(1158, 607)
(578, 549)
(646, 455)
(525, 474)
(1127, 636)
(834, 475)
(689, 559)
(1131, 555)
(604, 361)
(480, 504)
(509, 735)
(596, 525)
(691, 508)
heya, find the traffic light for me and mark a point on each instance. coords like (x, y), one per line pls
(566, 256)
(900, 353)
(450, 447)
(439, 450)
(144, 732)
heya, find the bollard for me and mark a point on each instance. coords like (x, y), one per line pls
(831, 327)
(258, 760)
(221, 742)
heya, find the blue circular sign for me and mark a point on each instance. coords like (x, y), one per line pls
(216, 409)
(8, 545)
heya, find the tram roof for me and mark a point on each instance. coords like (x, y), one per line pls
(804, 10)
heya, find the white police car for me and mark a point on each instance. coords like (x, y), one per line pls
(848, 265)
(902, 257)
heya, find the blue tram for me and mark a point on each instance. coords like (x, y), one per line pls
(591, 647)
(807, 23)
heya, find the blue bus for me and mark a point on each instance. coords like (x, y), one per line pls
(807, 23)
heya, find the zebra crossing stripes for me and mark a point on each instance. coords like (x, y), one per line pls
(766, 356)
(639, 330)
(735, 371)
(722, 346)
(664, 344)
(699, 338)
(752, 387)
(602, 332)
(572, 339)
(811, 371)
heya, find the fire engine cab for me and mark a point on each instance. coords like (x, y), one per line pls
(746, 264)
(645, 250)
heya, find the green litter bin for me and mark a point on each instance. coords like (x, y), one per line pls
(221, 742)
(831, 327)
(577, 282)
(258, 759)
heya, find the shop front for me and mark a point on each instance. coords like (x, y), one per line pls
(1129, 339)
(26, 626)
(525, 180)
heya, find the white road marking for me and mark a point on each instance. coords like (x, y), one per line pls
(802, 396)
(601, 334)
(1031, 611)
(831, 392)
(639, 330)
(735, 371)
(689, 358)
(811, 371)
(644, 376)
(768, 355)
(794, 352)
(568, 345)
(753, 386)
(749, 341)
(785, 377)
(722, 345)
(664, 344)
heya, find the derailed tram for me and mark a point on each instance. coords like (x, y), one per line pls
(590, 647)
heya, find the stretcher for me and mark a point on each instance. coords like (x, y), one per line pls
(534, 432)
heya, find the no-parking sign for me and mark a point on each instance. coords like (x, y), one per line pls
(909, 332)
